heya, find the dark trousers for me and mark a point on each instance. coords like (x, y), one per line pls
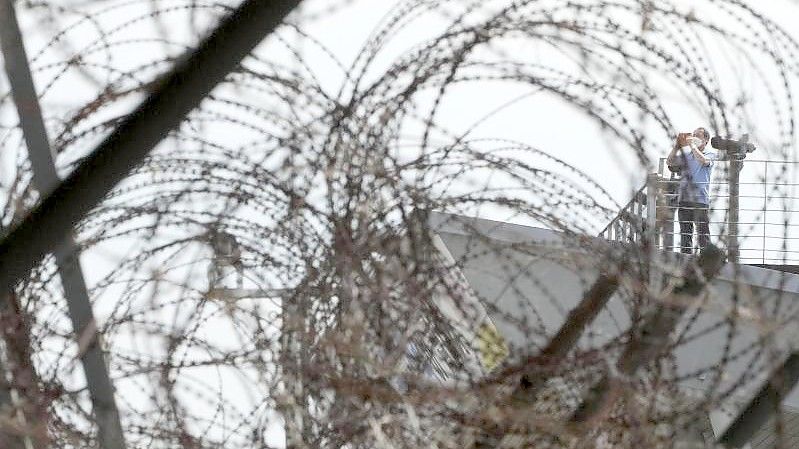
(689, 214)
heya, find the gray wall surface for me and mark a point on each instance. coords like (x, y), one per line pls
(529, 278)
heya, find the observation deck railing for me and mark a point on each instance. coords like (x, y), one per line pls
(761, 220)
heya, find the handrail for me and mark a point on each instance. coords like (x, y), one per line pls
(641, 193)
(759, 213)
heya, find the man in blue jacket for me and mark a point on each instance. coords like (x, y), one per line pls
(695, 163)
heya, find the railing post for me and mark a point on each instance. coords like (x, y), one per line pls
(732, 220)
(665, 216)
(651, 233)
(639, 214)
(765, 206)
(651, 209)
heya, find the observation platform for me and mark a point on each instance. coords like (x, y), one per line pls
(753, 215)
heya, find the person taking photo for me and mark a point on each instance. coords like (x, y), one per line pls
(691, 158)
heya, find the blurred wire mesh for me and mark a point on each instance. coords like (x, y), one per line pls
(292, 267)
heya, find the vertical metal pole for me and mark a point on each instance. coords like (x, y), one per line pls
(732, 215)
(293, 410)
(765, 206)
(639, 216)
(174, 95)
(46, 179)
(651, 235)
(671, 212)
(177, 93)
(623, 222)
(651, 208)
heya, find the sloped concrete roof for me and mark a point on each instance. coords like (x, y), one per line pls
(533, 276)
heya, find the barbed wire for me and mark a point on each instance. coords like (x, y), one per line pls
(365, 324)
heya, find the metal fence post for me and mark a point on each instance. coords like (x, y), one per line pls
(765, 206)
(48, 225)
(651, 208)
(175, 95)
(732, 215)
(651, 233)
(45, 179)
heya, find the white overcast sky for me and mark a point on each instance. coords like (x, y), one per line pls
(539, 120)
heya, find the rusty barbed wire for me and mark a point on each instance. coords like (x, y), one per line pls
(311, 182)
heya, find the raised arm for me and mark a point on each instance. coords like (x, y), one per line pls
(704, 160)
(672, 160)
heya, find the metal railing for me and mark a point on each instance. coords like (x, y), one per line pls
(630, 224)
(756, 219)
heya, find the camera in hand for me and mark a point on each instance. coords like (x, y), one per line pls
(735, 149)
